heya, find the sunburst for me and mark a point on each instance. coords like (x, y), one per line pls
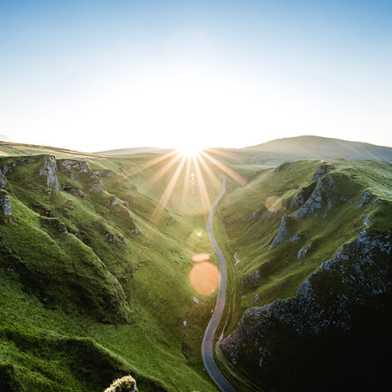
(199, 171)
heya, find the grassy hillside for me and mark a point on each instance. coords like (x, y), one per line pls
(310, 243)
(252, 216)
(90, 281)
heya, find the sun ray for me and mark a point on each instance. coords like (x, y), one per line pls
(205, 199)
(164, 169)
(152, 162)
(227, 170)
(163, 201)
(222, 152)
(187, 180)
(206, 169)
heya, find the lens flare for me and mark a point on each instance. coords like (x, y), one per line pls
(199, 257)
(204, 278)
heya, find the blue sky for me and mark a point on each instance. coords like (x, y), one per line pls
(104, 74)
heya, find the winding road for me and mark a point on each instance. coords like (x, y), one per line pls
(208, 344)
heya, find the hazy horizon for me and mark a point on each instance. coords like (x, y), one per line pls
(95, 76)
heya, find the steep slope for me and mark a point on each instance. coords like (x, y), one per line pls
(312, 247)
(91, 281)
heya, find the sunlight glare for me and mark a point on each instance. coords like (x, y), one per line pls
(189, 150)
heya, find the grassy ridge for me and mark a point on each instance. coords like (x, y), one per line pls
(90, 280)
(252, 215)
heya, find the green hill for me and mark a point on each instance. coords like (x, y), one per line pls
(323, 226)
(91, 288)
(278, 151)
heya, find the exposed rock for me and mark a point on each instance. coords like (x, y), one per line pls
(283, 232)
(74, 191)
(54, 224)
(5, 205)
(113, 238)
(355, 278)
(135, 231)
(322, 170)
(251, 280)
(49, 170)
(320, 198)
(303, 252)
(366, 199)
(103, 173)
(74, 167)
(296, 237)
(366, 221)
(115, 201)
(96, 185)
(301, 196)
(77, 169)
(3, 180)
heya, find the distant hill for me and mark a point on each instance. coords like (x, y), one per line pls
(310, 147)
(133, 151)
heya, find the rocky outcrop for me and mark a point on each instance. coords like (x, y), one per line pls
(49, 170)
(356, 279)
(74, 191)
(5, 206)
(54, 224)
(322, 170)
(304, 251)
(301, 196)
(366, 199)
(114, 238)
(74, 167)
(47, 167)
(321, 198)
(81, 170)
(3, 180)
(283, 232)
(251, 280)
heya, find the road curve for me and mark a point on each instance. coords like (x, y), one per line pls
(208, 344)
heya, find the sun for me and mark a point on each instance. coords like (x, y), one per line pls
(189, 150)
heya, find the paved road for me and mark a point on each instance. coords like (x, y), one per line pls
(207, 347)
